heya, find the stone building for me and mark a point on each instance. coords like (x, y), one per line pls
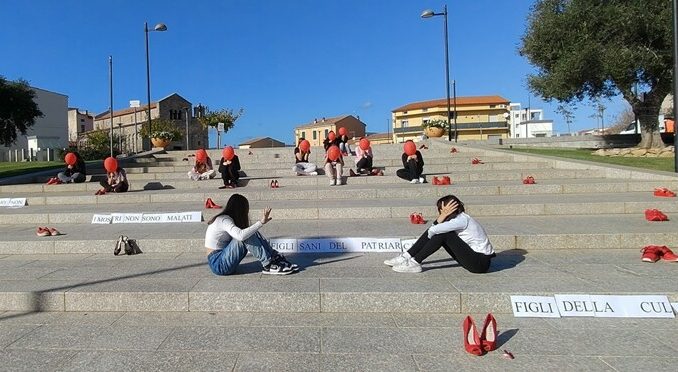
(316, 131)
(78, 123)
(128, 123)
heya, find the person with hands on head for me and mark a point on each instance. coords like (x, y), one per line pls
(203, 169)
(459, 234)
(330, 140)
(75, 171)
(302, 166)
(413, 164)
(334, 164)
(229, 167)
(116, 178)
(343, 142)
(230, 236)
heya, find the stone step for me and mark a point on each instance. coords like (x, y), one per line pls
(517, 232)
(327, 283)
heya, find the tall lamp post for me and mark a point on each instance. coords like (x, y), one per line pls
(159, 27)
(428, 14)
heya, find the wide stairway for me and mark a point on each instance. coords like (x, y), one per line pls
(579, 229)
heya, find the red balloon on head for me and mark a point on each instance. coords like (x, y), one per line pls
(331, 136)
(110, 164)
(364, 144)
(410, 148)
(228, 153)
(342, 131)
(70, 158)
(304, 146)
(333, 153)
(201, 155)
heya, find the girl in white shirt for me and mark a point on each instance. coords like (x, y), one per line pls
(230, 236)
(461, 236)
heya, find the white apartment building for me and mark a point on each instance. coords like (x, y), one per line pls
(49, 132)
(528, 122)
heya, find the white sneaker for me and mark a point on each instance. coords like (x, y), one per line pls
(422, 180)
(414, 181)
(333, 182)
(395, 261)
(409, 266)
(314, 173)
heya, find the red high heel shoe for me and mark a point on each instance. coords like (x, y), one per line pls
(471, 338)
(488, 337)
(275, 184)
(435, 181)
(446, 180)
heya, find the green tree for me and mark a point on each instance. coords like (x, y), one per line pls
(226, 116)
(18, 110)
(100, 140)
(162, 128)
(602, 48)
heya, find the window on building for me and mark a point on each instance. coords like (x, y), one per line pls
(424, 110)
(179, 114)
(524, 117)
(303, 134)
(517, 116)
(315, 135)
(425, 120)
(82, 128)
(405, 112)
(404, 123)
(493, 106)
(327, 131)
(82, 120)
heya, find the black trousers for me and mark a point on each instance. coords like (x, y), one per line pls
(121, 187)
(230, 174)
(364, 163)
(457, 248)
(411, 172)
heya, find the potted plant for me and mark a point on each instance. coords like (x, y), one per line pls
(162, 133)
(434, 128)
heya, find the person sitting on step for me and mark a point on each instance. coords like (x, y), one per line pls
(302, 166)
(363, 159)
(334, 164)
(330, 140)
(75, 172)
(413, 164)
(230, 236)
(203, 169)
(116, 178)
(229, 167)
(457, 232)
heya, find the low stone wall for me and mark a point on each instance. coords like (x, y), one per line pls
(666, 152)
(579, 142)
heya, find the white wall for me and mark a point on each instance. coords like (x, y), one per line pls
(53, 126)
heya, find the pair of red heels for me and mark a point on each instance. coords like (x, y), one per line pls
(652, 253)
(664, 192)
(453, 150)
(479, 344)
(417, 219)
(655, 215)
(274, 184)
(529, 180)
(444, 180)
(54, 181)
(476, 161)
(210, 204)
(47, 231)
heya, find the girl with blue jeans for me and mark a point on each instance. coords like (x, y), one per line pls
(230, 236)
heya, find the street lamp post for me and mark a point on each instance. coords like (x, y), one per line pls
(135, 104)
(428, 14)
(159, 27)
(187, 115)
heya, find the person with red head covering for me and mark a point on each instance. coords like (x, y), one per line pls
(334, 164)
(116, 178)
(203, 169)
(302, 166)
(413, 164)
(229, 167)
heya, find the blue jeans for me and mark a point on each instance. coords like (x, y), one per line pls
(225, 261)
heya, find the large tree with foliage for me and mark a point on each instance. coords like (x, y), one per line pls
(226, 116)
(18, 110)
(603, 48)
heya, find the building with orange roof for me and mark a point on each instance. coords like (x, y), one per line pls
(316, 131)
(478, 118)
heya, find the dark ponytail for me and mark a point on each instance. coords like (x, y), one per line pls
(238, 208)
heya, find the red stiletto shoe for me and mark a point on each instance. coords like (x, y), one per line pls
(488, 337)
(446, 180)
(471, 338)
(435, 181)
(275, 184)
(272, 184)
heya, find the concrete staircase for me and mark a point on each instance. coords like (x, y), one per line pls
(578, 230)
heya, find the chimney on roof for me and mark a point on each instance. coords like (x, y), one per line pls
(315, 121)
(323, 119)
(357, 117)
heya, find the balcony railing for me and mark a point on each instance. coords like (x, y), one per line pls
(460, 126)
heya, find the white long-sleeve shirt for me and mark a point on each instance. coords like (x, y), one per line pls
(468, 229)
(220, 232)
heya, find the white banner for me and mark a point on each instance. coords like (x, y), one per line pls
(599, 306)
(175, 217)
(326, 245)
(534, 307)
(12, 202)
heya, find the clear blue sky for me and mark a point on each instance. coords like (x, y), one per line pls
(284, 61)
